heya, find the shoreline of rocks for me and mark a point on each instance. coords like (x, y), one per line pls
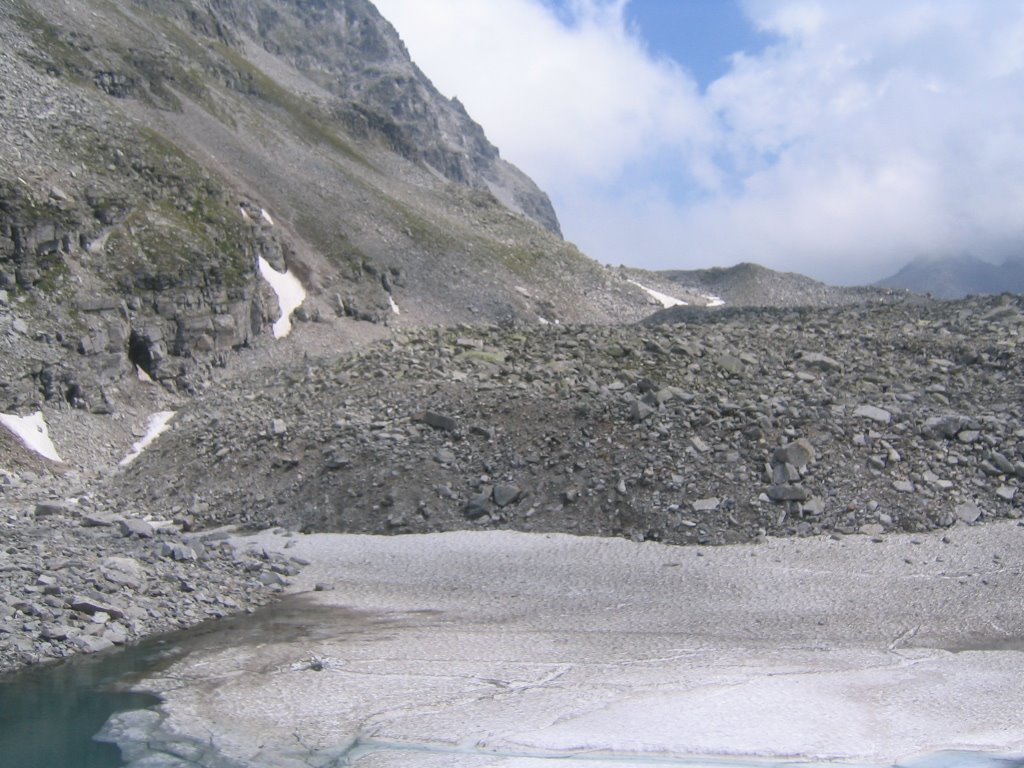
(78, 577)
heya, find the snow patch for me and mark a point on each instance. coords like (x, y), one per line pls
(290, 294)
(713, 301)
(266, 217)
(32, 432)
(157, 424)
(394, 307)
(663, 298)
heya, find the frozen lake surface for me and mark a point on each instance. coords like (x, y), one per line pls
(501, 649)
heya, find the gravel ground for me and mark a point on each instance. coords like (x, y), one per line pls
(80, 576)
(697, 427)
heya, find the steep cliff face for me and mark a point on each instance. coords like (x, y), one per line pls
(354, 54)
(152, 152)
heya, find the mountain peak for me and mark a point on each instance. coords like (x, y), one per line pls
(957, 276)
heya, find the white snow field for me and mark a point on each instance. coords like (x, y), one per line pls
(157, 424)
(504, 650)
(290, 294)
(663, 298)
(32, 432)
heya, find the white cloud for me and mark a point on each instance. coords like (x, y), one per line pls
(869, 134)
(575, 102)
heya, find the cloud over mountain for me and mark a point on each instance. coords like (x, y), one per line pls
(863, 136)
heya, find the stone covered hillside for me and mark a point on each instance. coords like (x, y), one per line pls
(454, 363)
(694, 427)
(152, 152)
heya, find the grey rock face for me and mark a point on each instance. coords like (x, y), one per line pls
(706, 505)
(788, 493)
(799, 453)
(179, 552)
(820, 362)
(124, 571)
(967, 512)
(348, 49)
(506, 493)
(874, 413)
(135, 527)
(439, 421)
(91, 606)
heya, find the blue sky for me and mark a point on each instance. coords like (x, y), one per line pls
(835, 138)
(701, 35)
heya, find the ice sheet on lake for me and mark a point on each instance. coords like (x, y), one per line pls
(513, 650)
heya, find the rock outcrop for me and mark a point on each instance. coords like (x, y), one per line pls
(82, 577)
(349, 50)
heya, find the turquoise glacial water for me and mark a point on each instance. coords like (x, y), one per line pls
(48, 715)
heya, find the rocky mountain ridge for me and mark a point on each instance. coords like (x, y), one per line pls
(957, 277)
(751, 285)
(153, 152)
